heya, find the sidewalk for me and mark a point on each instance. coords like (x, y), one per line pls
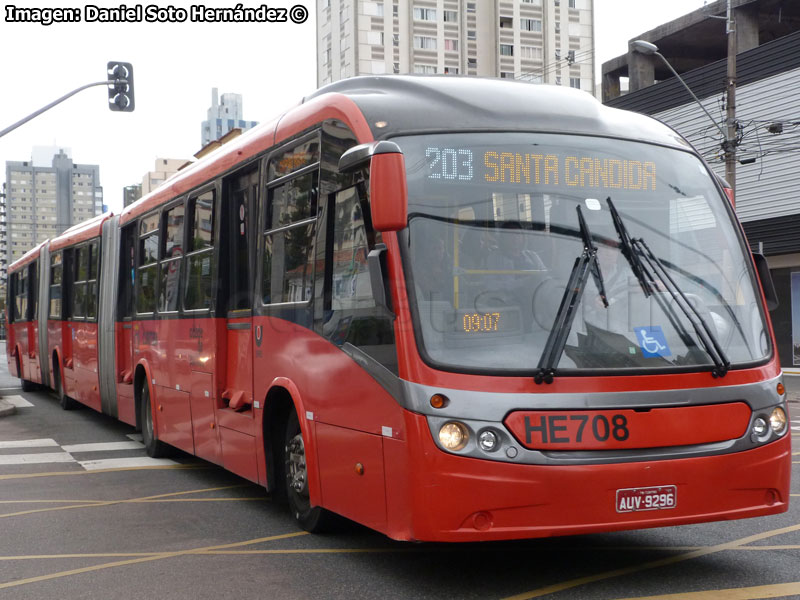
(6, 381)
(6, 408)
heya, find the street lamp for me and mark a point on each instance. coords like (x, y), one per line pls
(728, 144)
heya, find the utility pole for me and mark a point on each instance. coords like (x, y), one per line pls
(730, 139)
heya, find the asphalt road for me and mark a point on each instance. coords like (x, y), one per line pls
(85, 514)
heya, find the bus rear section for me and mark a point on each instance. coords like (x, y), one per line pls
(25, 335)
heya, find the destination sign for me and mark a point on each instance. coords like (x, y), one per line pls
(500, 166)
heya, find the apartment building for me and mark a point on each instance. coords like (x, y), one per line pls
(544, 41)
(43, 200)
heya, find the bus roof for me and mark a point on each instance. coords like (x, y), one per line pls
(27, 258)
(379, 107)
(82, 231)
(441, 103)
(249, 144)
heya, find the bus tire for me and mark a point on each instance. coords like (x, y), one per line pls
(65, 401)
(27, 386)
(313, 519)
(152, 445)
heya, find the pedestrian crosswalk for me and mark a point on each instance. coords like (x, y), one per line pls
(17, 401)
(47, 450)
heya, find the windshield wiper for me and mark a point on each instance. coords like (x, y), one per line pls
(652, 274)
(626, 246)
(585, 264)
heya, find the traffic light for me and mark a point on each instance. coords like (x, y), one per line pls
(120, 86)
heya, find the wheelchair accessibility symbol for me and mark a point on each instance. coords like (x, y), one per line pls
(652, 341)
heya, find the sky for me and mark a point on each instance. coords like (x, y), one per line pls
(176, 64)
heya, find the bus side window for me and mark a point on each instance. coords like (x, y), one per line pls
(353, 316)
(56, 272)
(171, 253)
(147, 264)
(200, 253)
(127, 271)
(80, 264)
(239, 194)
(288, 267)
(92, 290)
(20, 305)
(33, 290)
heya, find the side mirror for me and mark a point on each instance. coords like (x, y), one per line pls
(762, 268)
(388, 191)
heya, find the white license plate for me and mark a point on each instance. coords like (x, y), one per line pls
(648, 498)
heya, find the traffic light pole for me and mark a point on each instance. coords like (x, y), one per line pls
(51, 105)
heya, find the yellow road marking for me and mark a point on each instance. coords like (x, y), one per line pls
(397, 549)
(113, 502)
(785, 547)
(750, 593)
(78, 555)
(65, 473)
(134, 500)
(134, 561)
(573, 583)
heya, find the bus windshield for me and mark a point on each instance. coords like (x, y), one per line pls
(494, 235)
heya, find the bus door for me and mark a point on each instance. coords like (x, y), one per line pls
(40, 316)
(235, 411)
(199, 335)
(68, 326)
(31, 368)
(124, 368)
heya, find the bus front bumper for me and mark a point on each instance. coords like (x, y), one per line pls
(452, 498)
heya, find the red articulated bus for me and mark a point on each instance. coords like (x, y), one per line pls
(447, 308)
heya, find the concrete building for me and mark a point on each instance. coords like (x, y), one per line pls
(131, 193)
(545, 41)
(223, 116)
(3, 242)
(768, 123)
(164, 169)
(699, 39)
(44, 199)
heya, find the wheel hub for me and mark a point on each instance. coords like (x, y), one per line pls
(296, 464)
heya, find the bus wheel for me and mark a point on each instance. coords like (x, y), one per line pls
(65, 401)
(154, 448)
(314, 519)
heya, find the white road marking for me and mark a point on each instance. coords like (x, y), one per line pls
(41, 443)
(121, 463)
(31, 459)
(101, 446)
(136, 437)
(17, 401)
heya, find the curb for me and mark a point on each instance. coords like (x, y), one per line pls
(6, 408)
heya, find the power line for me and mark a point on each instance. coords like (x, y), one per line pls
(550, 67)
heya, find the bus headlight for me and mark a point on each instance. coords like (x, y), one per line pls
(453, 436)
(487, 440)
(777, 420)
(759, 427)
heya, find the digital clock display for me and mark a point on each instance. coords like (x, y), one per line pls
(482, 323)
